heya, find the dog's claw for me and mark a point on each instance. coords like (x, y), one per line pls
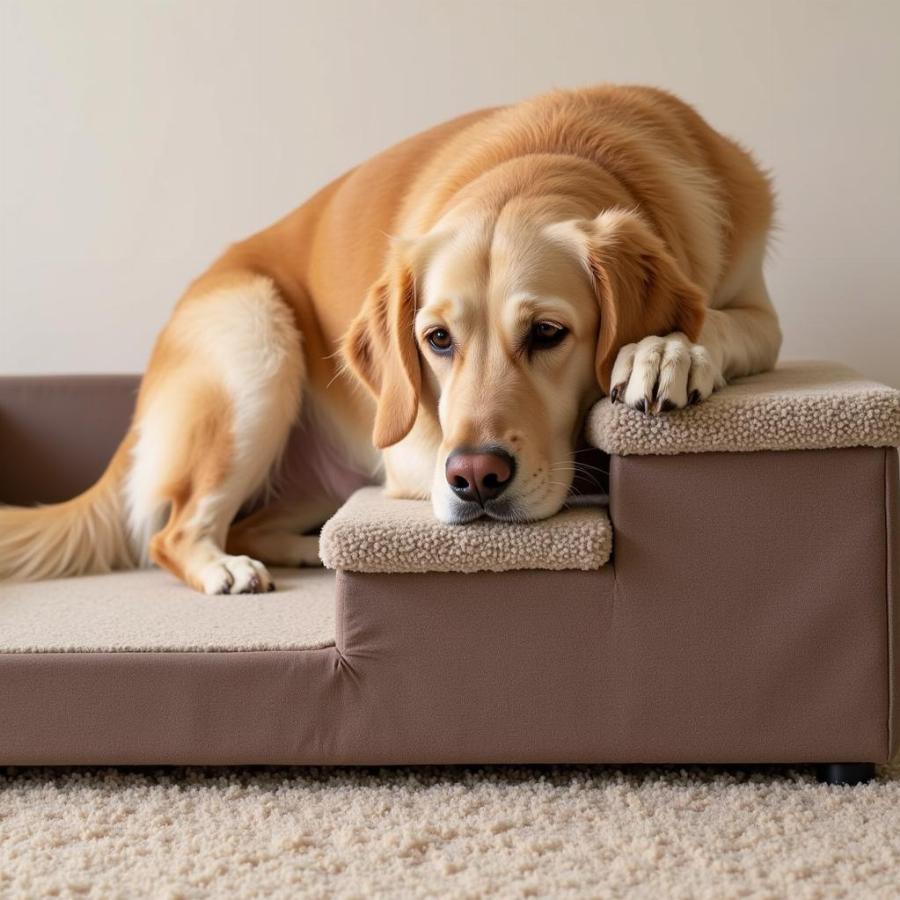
(665, 405)
(641, 405)
(615, 395)
(694, 398)
(225, 587)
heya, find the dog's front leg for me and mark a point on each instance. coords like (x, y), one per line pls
(743, 337)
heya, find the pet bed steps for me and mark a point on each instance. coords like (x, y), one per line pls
(682, 649)
(798, 406)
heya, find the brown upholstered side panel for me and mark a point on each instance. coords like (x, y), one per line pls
(748, 622)
(492, 667)
(752, 588)
(169, 708)
(58, 432)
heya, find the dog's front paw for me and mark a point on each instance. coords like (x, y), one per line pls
(662, 373)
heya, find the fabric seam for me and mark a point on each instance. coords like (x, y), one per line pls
(156, 651)
(891, 650)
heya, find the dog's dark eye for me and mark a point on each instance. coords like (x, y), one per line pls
(545, 335)
(439, 340)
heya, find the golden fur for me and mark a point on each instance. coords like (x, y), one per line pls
(613, 214)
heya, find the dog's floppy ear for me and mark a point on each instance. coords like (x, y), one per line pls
(640, 286)
(380, 348)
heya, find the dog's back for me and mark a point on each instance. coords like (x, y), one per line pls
(261, 329)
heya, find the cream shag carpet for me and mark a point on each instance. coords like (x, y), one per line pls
(449, 832)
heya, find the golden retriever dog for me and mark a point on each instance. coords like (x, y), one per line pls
(447, 311)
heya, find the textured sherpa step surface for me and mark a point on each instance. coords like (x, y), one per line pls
(376, 533)
(798, 406)
(151, 611)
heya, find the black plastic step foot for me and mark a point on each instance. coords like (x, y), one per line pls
(845, 773)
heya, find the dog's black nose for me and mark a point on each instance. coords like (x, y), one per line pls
(479, 475)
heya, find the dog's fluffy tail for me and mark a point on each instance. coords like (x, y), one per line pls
(84, 535)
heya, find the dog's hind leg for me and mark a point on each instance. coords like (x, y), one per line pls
(216, 406)
(275, 534)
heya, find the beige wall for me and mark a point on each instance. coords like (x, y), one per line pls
(139, 137)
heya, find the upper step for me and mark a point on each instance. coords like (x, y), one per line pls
(798, 406)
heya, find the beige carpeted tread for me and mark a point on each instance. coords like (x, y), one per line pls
(452, 832)
(376, 533)
(798, 406)
(150, 611)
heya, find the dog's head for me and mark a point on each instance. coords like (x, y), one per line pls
(506, 330)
